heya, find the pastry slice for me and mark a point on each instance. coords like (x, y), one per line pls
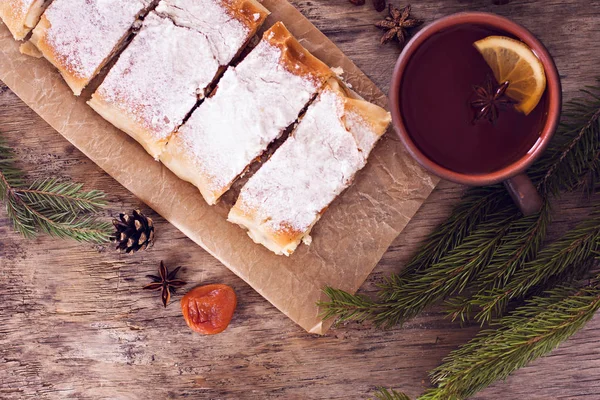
(156, 82)
(80, 36)
(281, 203)
(254, 103)
(228, 24)
(167, 67)
(20, 16)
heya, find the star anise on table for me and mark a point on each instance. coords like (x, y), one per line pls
(491, 98)
(398, 24)
(166, 282)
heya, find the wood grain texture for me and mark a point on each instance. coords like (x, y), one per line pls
(75, 324)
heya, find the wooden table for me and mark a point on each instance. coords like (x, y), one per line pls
(75, 324)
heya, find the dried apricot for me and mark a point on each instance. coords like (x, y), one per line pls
(209, 309)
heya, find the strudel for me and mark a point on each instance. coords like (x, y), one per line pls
(80, 36)
(167, 67)
(281, 203)
(228, 24)
(253, 105)
(20, 16)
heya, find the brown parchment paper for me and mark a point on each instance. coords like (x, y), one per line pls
(348, 241)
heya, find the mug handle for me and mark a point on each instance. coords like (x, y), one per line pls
(524, 194)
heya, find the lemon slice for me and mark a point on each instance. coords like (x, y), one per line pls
(513, 61)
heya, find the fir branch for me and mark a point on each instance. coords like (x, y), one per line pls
(405, 295)
(574, 153)
(62, 210)
(409, 295)
(346, 306)
(574, 273)
(529, 332)
(11, 175)
(475, 206)
(591, 182)
(385, 394)
(460, 308)
(21, 222)
(521, 244)
(29, 218)
(577, 247)
(62, 196)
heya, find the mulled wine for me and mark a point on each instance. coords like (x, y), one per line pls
(441, 103)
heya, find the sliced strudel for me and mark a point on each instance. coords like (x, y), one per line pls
(20, 16)
(80, 36)
(167, 67)
(253, 104)
(286, 197)
(228, 24)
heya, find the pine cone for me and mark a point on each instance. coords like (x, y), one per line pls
(134, 232)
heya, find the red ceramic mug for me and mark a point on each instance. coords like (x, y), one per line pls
(513, 175)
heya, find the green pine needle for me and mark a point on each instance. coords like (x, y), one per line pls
(405, 295)
(346, 306)
(520, 245)
(62, 196)
(409, 294)
(11, 175)
(575, 248)
(385, 394)
(529, 332)
(60, 209)
(476, 205)
(573, 156)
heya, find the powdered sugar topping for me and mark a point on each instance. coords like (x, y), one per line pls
(19, 8)
(361, 130)
(253, 105)
(84, 33)
(20, 16)
(309, 170)
(157, 79)
(225, 33)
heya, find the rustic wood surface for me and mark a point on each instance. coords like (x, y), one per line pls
(75, 324)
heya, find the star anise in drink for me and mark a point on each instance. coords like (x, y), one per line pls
(490, 99)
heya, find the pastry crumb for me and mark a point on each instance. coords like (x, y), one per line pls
(339, 71)
(29, 49)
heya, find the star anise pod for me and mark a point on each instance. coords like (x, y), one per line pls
(166, 282)
(490, 100)
(397, 24)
